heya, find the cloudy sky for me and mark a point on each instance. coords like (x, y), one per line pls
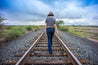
(34, 12)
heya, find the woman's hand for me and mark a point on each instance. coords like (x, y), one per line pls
(56, 32)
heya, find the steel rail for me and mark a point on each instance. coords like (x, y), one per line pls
(73, 59)
(76, 61)
(21, 60)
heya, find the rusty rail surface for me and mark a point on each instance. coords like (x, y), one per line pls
(37, 53)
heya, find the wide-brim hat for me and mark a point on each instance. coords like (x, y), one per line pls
(50, 14)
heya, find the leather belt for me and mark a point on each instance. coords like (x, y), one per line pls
(50, 26)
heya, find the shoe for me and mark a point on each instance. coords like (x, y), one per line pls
(50, 52)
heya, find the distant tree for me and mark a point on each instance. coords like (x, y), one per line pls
(60, 22)
(1, 21)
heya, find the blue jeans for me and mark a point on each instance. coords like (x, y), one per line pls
(50, 33)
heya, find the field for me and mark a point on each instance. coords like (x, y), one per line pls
(9, 33)
(87, 32)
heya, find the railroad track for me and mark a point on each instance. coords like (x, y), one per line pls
(37, 53)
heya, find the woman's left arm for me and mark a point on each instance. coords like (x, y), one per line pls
(56, 28)
(45, 27)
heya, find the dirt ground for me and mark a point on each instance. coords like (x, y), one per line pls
(88, 35)
(95, 31)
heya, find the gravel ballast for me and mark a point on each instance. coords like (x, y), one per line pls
(87, 48)
(11, 48)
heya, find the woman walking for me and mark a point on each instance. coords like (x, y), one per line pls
(50, 28)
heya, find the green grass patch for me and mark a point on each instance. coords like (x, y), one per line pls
(86, 28)
(28, 28)
(14, 33)
(77, 32)
(63, 28)
(81, 33)
(11, 32)
(94, 37)
(71, 29)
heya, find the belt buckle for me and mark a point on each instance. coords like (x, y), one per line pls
(50, 26)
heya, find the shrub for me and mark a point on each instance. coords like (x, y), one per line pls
(64, 28)
(35, 29)
(22, 30)
(28, 28)
(1, 35)
(58, 23)
(8, 27)
(13, 33)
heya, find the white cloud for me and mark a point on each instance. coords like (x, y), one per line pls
(74, 13)
(71, 12)
(24, 23)
(77, 21)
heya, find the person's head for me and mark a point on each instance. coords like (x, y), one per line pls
(50, 14)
